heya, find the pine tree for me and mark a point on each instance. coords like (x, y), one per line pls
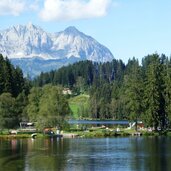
(8, 82)
(167, 79)
(154, 100)
(8, 114)
(134, 91)
(18, 81)
(1, 74)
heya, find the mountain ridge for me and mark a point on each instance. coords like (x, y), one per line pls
(23, 42)
(30, 41)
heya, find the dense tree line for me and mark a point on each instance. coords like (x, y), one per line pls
(143, 94)
(11, 78)
(19, 101)
(47, 106)
(83, 74)
(102, 81)
(14, 89)
(133, 91)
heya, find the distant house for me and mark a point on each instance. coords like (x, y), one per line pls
(67, 91)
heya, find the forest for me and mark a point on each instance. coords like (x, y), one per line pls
(132, 91)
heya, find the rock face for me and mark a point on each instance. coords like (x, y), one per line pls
(27, 45)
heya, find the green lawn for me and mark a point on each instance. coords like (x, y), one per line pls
(77, 102)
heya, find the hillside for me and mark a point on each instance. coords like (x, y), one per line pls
(80, 106)
(118, 91)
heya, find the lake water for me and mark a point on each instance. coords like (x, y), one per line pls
(98, 154)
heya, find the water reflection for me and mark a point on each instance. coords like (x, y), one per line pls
(47, 154)
(36, 155)
(151, 153)
(158, 153)
(130, 154)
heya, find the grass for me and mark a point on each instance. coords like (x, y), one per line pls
(102, 132)
(77, 102)
(93, 132)
(74, 109)
(98, 133)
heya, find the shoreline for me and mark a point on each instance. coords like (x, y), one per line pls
(89, 134)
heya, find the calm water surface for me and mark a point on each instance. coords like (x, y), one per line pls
(103, 154)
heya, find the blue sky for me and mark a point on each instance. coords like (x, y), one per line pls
(127, 27)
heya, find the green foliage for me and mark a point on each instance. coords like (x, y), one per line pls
(133, 93)
(83, 75)
(114, 90)
(154, 94)
(80, 106)
(21, 102)
(47, 106)
(11, 78)
(8, 115)
(118, 91)
(167, 92)
(13, 94)
(33, 103)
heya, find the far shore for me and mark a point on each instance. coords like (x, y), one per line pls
(96, 132)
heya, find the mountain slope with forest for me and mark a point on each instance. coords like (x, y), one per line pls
(119, 91)
(110, 90)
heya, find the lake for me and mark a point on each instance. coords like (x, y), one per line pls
(96, 154)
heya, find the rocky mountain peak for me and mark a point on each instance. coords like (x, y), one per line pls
(32, 42)
(71, 30)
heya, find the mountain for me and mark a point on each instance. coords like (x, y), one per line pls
(35, 50)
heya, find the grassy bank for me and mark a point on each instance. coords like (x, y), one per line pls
(101, 132)
(92, 133)
(78, 105)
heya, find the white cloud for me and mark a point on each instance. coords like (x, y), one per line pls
(16, 7)
(54, 10)
(33, 5)
(11, 7)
